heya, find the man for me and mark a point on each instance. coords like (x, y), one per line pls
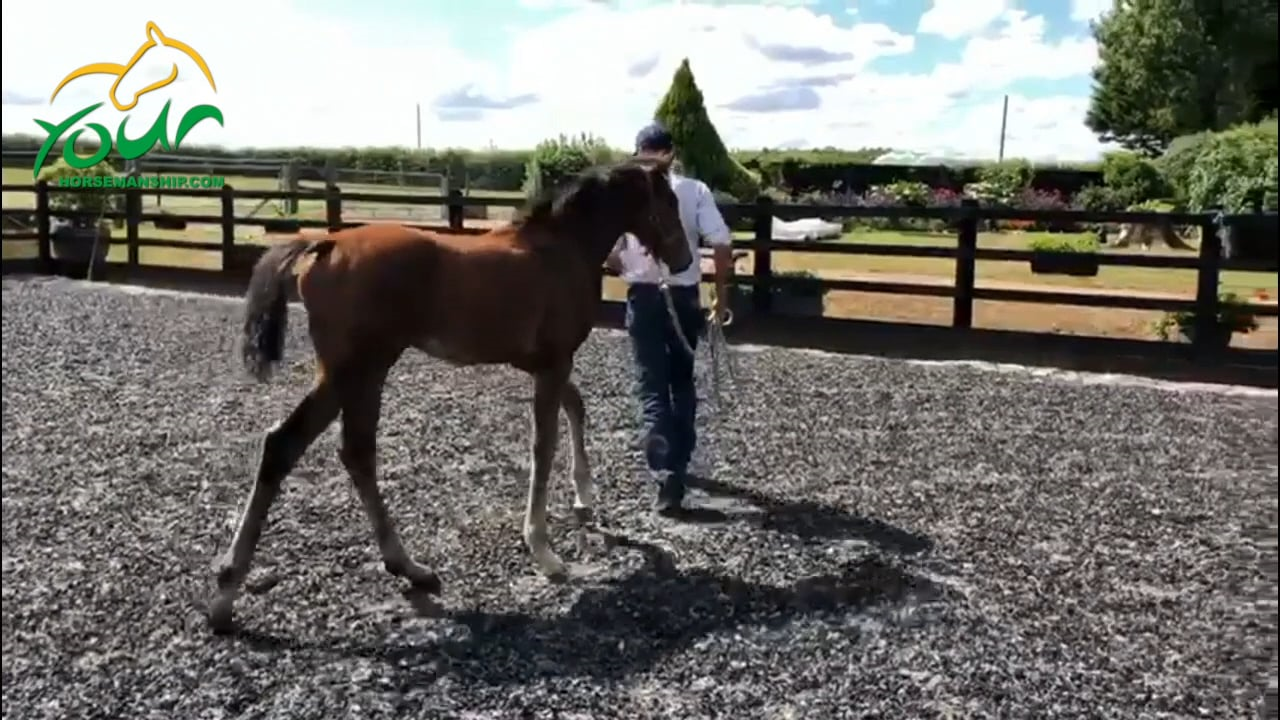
(664, 367)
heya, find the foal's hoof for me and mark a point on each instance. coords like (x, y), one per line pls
(427, 582)
(221, 618)
(556, 573)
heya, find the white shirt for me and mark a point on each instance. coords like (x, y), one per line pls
(701, 220)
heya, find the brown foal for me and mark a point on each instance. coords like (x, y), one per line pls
(524, 295)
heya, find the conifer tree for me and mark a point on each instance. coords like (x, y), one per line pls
(698, 146)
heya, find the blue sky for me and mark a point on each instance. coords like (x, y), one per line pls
(921, 75)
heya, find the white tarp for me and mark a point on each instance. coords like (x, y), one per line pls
(805, 229)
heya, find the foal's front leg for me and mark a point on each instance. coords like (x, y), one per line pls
(549, 388)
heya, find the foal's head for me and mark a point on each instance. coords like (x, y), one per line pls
(642, 197)
(602, 203)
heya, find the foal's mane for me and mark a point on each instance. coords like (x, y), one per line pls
(544, 210)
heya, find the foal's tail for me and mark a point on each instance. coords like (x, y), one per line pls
(266, 310)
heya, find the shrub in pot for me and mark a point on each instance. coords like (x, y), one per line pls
(1065, 255)
(1234, 316)
(168, 222)
(80, 235)
(798, 293)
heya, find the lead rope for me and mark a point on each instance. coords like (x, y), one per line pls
(717, 346)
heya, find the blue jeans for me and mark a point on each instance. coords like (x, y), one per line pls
(664, 374)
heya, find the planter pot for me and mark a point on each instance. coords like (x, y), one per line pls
(475, 212)
(242, 258)
(1219, 339)
(281, 226)
(1064, 263)
(784, 303)
(1252, 238)
(74, 249)
(170, 223)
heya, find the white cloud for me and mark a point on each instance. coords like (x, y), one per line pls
(296, 77)
(954, 19)
(1086, 10)
(1017, 50)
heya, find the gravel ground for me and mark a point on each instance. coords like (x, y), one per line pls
(902, 540)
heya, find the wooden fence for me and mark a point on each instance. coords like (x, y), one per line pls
(238, 258)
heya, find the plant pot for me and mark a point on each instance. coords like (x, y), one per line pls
(784, 302)
(475, 212)
(1219, 339)
(1078, 264)
(281, 226)
(242, 258)
(74, 247)
(1252, 238)
(170, 223)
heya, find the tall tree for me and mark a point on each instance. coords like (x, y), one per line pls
(701, 151)
(1172, 67)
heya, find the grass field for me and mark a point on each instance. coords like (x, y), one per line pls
(1014, 316)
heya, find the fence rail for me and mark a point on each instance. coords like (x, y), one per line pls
(966, 219)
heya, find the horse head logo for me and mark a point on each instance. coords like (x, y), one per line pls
(154, 37)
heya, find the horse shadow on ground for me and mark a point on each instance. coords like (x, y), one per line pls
(809, 521)
(622, 627)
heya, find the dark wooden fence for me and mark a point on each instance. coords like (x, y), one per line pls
(238, 258)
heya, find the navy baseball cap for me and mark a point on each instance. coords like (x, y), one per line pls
(654, 138)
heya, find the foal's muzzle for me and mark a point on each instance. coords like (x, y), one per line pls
(685, 259)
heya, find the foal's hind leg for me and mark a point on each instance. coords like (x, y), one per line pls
(284, 445)
(548, 395)
(580, 469)
(361, 408)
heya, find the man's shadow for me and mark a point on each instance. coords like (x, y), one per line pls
(811, 521)
(623, 627)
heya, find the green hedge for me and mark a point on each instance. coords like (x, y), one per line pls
(792, 171)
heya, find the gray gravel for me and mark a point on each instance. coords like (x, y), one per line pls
(902, 541)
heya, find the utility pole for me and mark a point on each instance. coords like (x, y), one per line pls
(419, 109)
(1004, 124)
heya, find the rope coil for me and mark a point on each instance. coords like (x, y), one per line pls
(717, 345)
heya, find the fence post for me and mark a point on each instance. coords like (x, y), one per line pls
(1207, 285)
(44, 239)
(228, 201)
(132, 223)
(762, 262)
(290, 181)
(966, 260)
(455, 209)
(333, 207)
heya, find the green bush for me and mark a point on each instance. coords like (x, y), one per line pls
(1134, 179)
(1234, 314)
(1001, 182)
(1235, 167)
(1177, 162)
(558, 159)
(1098, 198)
(905, 192)
(1065, 243)
(96, 201)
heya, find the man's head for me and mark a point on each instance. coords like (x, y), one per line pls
(655, 141)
